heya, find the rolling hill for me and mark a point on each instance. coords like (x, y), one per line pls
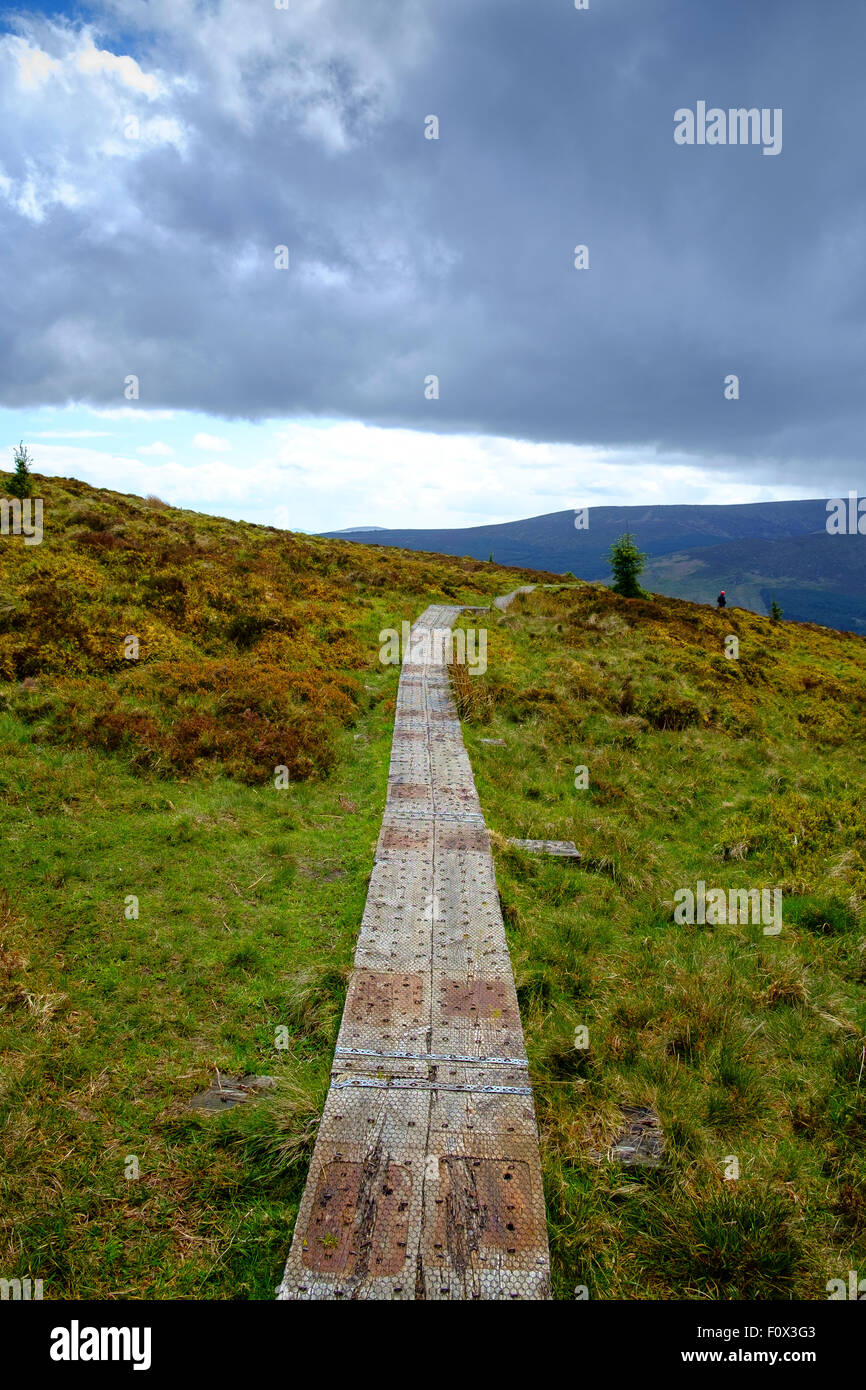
(814, 578)
(755, 551)
(172, 914)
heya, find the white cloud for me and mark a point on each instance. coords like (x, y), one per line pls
(70, 434)
(66, 143)
(34, 66)
(158, 447)
(211, 442)
(91, 59)
(328, 475)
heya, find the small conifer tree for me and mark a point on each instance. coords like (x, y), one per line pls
(21, 482)
(626, 563)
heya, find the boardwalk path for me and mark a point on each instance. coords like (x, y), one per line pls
(425, 1181)
(505, 600)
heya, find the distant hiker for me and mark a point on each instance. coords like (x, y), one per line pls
(721, 601)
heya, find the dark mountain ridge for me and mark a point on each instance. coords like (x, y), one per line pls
(756, 551)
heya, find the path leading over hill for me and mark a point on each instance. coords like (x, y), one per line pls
(505, 600)
(425, 1181)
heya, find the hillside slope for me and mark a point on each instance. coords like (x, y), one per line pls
(622, 726)
(747, 549)
(815, 578)
(171, 916)
(251, 641)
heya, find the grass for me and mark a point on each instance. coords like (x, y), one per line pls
(194, 645)
(154, 781)
(743, 774)
(248, 906)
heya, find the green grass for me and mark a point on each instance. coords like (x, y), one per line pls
(156, 780)
(249, 903)
(741, 774)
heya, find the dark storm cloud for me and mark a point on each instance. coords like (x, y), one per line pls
(454, 257)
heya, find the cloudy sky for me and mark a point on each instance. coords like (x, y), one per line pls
(155, 154)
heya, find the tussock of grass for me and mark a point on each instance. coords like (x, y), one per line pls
(276, 1138)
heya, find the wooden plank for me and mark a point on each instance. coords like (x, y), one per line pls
(425, 1181)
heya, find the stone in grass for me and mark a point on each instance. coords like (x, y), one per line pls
(560, 849)
(225, 1091)
(642, 1142)
(495, 742)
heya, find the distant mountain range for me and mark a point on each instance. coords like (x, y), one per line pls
(755, 551)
